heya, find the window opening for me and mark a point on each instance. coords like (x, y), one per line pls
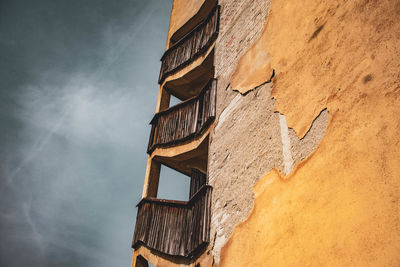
(173, 185)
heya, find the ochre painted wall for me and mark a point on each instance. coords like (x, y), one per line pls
(182, 11)
(340, 206)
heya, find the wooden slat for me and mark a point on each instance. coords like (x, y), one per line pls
(174, 228)
(197, 180)
(184, 120)
(191, 45)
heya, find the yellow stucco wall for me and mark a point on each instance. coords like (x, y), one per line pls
(182, 11)
(340, 206)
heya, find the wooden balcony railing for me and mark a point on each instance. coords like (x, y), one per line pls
(176, 228)
(197, 180)
(191, 45)
(185, 120)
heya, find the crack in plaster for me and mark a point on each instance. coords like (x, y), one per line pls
(255, 87)
(321, 114)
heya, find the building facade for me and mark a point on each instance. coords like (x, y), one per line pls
(288, 129)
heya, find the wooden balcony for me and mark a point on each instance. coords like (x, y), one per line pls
(190, 46)
(176, 228)
(185, 120)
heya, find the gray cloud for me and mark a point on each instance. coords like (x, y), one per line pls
(78, 86)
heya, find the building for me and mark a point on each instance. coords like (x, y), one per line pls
(288, 129)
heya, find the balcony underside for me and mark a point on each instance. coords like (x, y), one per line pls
(161, 259)
(192, 81)
(200, 15)
(191, 47)
(181, 148)
(184, 162)
(195, 69)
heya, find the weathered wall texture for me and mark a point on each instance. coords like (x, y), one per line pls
(241, 25)
(249, 139)
(340, 205)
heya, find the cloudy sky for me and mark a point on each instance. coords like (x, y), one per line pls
(78, 87)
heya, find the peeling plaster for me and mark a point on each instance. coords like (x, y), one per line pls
(250, 139)
(339, 206)
(286, 152)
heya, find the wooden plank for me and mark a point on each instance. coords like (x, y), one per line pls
(184, 120)
(191, 45)
(174, 230)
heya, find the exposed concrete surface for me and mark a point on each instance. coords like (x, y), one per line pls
(301, 147)
(228, 110)
(243, 148)
(340, 206)
(241, 25)
(247, 140)
(247, 143)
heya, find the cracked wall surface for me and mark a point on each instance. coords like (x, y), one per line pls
(247, 143)
(241, 24)
(339, 205)
(247, 140)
